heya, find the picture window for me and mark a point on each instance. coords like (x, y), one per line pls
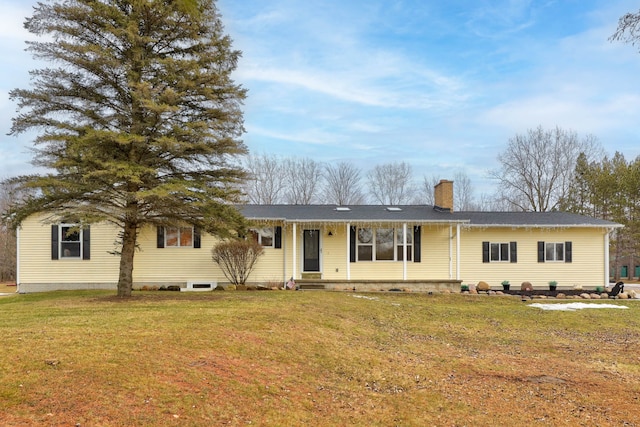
(382, 244)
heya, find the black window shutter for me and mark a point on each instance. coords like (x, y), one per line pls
(278, 238)
(86, 242)
(485, 251)
(416, 243)
(54, 242)
(197, 240)
(568, 256)
(352, 244)
(160, 240)
(513, 249)
(540, 251)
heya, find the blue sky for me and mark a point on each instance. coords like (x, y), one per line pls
(442, 85)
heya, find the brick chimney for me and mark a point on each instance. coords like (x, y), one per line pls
(443, 195)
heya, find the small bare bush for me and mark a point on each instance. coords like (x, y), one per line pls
(237, 259)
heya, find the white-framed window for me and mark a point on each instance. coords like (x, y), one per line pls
(178, 237)
(554, 251)
(70, 240)
(365, 244)
(382, 244)
(499, 252)
(399, 242)
(264, 236)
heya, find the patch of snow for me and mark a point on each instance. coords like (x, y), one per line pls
(573, 306)
(365, 297)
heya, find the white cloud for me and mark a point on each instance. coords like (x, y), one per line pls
(492, 19)
(368, 84)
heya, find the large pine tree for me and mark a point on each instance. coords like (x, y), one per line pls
(139, 120)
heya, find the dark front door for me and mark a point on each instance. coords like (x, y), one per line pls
(311, 250)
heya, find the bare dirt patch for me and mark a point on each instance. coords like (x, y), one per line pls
(7, 287)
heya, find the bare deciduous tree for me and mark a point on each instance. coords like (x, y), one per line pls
(237, 258)
(628, 30)
(266, 183)
(303, 181)
(391, 183)
(426, 192)
(537, 168)
(9, 195)
(342, 184)
(463, 194)
(7, 251)
(490, 202)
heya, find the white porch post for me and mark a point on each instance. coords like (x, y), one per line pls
(404, 251)
(295, 237)
(606, 257)
(458, 252)
(284, 257)
(348, 251)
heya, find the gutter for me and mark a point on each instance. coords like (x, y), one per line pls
(18, 259)
(360, 221)
(607, 226)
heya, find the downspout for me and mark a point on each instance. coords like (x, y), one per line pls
(348, 251)
(404, 251)
(606, 257)
(18, 259)
(458, 252)
(294, 251)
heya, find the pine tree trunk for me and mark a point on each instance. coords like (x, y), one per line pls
(618, 257)
(125, 279)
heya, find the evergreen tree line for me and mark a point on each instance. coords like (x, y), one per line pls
(610, 189)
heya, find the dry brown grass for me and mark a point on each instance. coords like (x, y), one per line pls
(314, 358)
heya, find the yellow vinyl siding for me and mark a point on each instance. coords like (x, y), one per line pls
(376, 270)
(173, 264)
(586, 268)
(270, 266)
(435, 252)
(162, 266)
(37, 267)
(181, 265)
(335, 254)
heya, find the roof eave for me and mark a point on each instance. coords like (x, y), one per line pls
(547, 225)
(344, 221)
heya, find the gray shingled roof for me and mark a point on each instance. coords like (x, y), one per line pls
(544, 219)
(415, 214)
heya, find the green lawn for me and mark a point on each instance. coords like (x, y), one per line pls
(281, 358)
